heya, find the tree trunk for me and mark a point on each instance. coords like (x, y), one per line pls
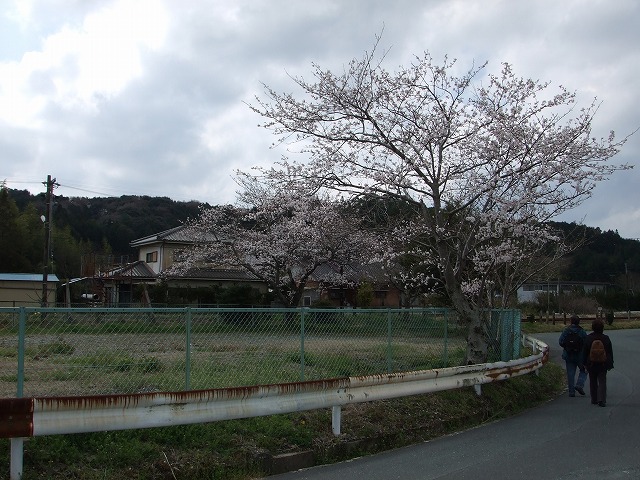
(477, 345)
(470, 315)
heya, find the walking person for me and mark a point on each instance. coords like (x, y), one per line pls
(572, 340)
(598, 357)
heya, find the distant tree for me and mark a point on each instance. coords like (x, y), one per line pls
(365, 295)
(486, 164)
(12, 237)
(67, 253)
(22, 197)
(280, 234)
(105, 247)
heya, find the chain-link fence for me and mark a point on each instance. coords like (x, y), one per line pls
(95, 351)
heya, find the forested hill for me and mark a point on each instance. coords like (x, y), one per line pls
(108, 224)
(80, 226)
(118, 220)
(605, 256)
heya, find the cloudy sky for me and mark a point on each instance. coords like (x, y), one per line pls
(148, 97)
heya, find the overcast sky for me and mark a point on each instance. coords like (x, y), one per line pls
(148, 97)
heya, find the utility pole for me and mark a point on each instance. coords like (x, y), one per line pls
(46, 219)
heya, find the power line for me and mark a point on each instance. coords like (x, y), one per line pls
(70, 187)
(27, 182)
(94, 190)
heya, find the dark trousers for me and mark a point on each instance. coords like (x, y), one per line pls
(598, 383)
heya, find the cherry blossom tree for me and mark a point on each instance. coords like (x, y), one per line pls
(485, 160)
(280, 233)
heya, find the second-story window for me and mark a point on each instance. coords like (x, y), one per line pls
(152, 257)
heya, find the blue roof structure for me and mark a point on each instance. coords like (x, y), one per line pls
(27, 277)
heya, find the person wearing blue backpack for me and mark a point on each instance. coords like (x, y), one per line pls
(572, 340)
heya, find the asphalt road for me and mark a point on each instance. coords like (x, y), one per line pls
(567, 438)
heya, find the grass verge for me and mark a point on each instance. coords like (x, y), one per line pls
(241, 449)
(546, 327)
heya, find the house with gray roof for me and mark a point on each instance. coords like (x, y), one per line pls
(158, 252)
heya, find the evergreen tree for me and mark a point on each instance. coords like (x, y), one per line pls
(33, 240)
(12, 259)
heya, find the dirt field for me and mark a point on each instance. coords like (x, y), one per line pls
(79, 364)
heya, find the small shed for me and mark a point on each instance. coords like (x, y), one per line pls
(25, 289)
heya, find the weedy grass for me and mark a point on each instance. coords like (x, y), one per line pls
(59, 347)
(236, 449)
(8, 352)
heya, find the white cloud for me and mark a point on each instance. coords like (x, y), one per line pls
(79, 67)
(146, 97)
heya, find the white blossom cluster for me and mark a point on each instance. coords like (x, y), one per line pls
(280, 234)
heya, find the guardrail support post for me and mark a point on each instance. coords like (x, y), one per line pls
(336, 414)
(478, 388)
(17, 450)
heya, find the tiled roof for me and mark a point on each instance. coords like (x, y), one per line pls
(181, 234)
(373, 272)
(202, 273)
(136, 270)
(27, 277)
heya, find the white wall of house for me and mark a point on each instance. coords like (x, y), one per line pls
(152, 256)
(159, 256)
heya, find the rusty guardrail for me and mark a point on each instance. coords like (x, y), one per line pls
(35, 416)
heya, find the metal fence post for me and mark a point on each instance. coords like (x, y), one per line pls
(301, 344)
(517, 333)
(506, 340)
(445, 352)
(22, 327)
(187, 363)
(389, 342)
(17, 444)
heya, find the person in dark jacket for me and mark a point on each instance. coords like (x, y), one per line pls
(573, 357)
(598, 370)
